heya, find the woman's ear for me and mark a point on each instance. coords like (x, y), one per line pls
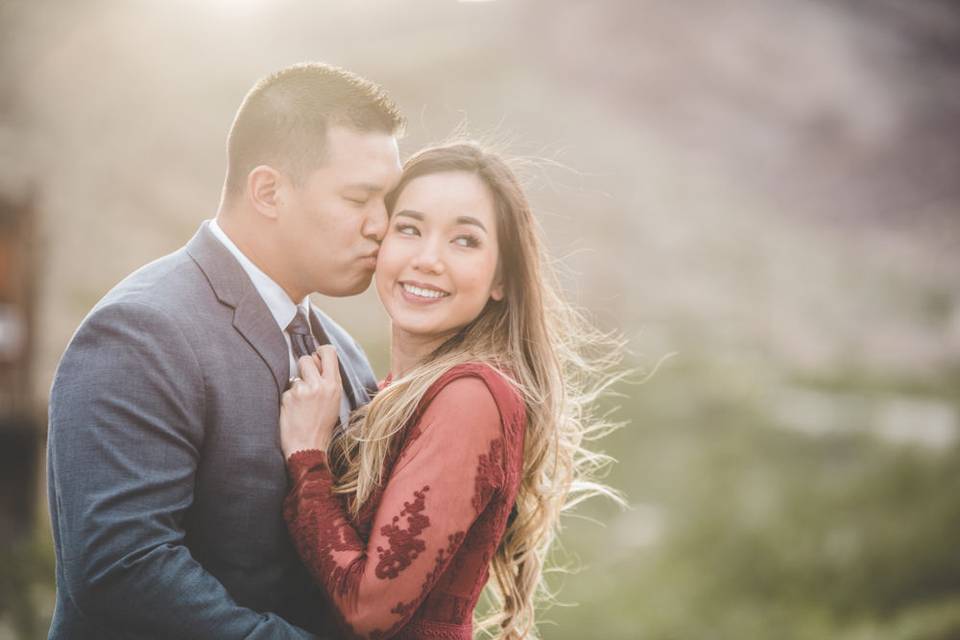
(496, 293)
(263, 189)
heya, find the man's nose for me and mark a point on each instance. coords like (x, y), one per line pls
(375, 225)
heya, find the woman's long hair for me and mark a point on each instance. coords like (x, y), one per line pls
(556, 360)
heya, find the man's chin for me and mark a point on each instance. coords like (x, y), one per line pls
(345, 290)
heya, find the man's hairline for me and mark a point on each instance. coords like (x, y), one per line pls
(322, 158)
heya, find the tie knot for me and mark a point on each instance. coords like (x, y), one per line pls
(302, 341)
(299, 325)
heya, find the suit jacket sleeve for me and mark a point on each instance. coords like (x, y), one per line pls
(126, 432)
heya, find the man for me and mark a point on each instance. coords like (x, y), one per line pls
(166, 478)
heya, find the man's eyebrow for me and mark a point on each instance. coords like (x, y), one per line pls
(364, 186)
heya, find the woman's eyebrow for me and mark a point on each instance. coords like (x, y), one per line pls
(416, 215)
(470, 220)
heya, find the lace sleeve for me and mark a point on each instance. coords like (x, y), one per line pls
(451, 465)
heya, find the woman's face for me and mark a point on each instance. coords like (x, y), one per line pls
(438, 261)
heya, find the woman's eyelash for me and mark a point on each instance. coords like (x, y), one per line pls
(463, 240)
(470, 240)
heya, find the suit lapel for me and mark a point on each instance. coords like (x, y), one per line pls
(356, 392)
(254, 322)
(251, 317)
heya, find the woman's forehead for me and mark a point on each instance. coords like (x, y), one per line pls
(451, 195)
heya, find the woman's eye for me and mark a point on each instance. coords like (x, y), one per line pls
(357, 201)
(407, 229)
(467, 241)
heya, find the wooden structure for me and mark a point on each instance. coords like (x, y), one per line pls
(21, 425)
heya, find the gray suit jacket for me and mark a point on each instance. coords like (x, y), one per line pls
(166, 479)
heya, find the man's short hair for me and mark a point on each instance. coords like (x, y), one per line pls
(283, 120)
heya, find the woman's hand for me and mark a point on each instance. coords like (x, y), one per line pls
(310, 407)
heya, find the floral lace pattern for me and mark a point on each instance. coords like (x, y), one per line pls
(404, 546)
(414, 563)
(489, 475)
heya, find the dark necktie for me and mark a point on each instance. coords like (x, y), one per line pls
(304, 344)
(301, 339)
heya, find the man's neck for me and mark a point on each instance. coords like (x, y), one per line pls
(249, 245)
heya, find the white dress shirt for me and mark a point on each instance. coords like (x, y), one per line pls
(281, 307)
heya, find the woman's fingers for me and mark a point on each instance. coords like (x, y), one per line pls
(309, 371)
(320, 367)
(328, 359)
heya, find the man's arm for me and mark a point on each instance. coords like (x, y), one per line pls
(126, 431)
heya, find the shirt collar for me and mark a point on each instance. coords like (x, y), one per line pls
(278, 302)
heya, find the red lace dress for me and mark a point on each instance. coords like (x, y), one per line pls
(413, 563)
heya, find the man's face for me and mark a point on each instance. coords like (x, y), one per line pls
(332, 224)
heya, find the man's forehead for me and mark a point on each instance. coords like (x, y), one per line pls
(353, 143)
(361, 152)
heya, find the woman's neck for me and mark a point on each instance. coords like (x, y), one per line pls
(408, 350)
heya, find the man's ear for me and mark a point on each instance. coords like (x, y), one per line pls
(263, 190)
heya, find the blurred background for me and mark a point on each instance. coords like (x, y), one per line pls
(768, 189)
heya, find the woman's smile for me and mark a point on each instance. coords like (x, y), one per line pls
(421, 293)
(437, 267)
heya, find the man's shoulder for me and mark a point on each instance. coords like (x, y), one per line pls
(170, 290)
(173, 279)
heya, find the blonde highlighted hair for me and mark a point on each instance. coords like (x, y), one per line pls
(556, 360)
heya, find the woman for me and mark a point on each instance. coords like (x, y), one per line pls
(462, 463)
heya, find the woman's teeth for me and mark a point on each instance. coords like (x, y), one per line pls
(424, 293)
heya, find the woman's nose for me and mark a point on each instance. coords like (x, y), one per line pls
(428, 260)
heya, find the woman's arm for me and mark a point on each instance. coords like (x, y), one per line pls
(442, 481)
